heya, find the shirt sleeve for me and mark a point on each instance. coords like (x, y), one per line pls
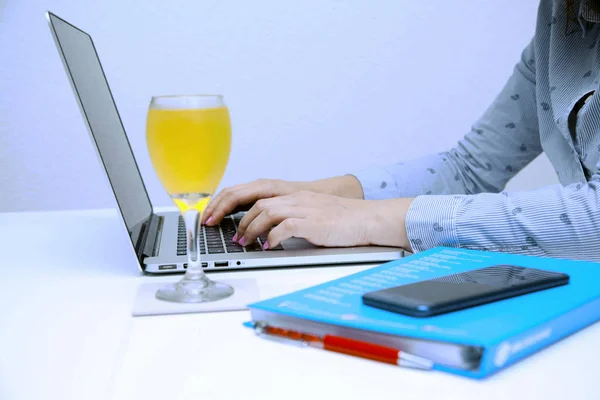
(501, 143)
(554, 221)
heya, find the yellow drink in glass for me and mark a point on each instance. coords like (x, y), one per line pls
(189, 149)
(189, 140)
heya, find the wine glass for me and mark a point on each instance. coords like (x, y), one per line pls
(189, 140)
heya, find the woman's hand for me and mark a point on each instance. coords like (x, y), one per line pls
(326, 220)
(237, 196)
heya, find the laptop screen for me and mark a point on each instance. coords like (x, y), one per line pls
(100, 112)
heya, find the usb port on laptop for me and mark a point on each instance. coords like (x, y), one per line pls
(204, 265)
(221, 263)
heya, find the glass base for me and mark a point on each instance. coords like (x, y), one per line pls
(200, 290)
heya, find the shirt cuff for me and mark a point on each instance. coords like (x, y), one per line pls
(431, 221)
(377, 184)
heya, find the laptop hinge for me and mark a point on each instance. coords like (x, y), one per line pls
(150, 235)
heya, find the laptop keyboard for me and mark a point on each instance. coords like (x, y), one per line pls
(218, 239)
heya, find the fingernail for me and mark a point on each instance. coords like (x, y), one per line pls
(242, 241)
(234, 238)
(266, 245)
(208, 220)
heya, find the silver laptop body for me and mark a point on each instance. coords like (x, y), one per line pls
(158, 239)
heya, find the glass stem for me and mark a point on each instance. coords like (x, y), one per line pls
(192, 225)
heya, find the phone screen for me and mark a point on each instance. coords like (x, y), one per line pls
(467, 289)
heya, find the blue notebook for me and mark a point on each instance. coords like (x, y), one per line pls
(474, 342)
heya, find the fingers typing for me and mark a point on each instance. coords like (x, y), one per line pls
(267, 218)
(291, 227)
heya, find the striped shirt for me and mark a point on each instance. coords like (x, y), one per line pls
(548, 105)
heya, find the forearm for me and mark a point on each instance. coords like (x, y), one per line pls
(387, 226)
(431, 174)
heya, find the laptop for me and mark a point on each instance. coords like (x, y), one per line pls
(159, 238)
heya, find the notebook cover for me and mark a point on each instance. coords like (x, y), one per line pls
(508, 329)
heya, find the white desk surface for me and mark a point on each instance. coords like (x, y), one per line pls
(67, 283)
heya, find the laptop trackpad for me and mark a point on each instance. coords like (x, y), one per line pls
(297, 244)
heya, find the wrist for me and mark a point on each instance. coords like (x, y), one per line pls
(387, 223)
(343, 186)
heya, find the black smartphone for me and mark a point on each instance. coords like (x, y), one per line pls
(463, 290)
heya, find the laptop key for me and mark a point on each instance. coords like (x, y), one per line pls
(234, 248)
(184, 252)
(254, 247)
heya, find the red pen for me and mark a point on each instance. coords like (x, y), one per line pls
(347, 346)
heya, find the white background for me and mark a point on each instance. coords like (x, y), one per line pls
(315, 87)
